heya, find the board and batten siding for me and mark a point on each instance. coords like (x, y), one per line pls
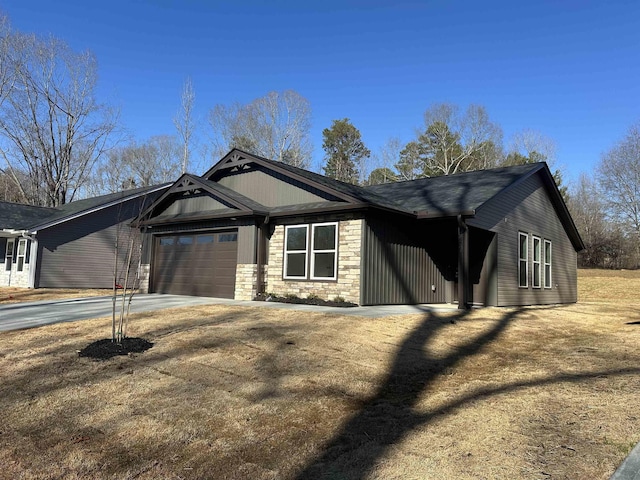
(79, 253)
(190, 205)
(396, 266)
(271, 189)
(528, 209)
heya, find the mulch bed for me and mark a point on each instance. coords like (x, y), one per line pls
(306, 301)
(106, 348)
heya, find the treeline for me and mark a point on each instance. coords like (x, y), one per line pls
(58, 143)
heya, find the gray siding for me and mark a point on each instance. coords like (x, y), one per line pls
(271, 190)
(247, 236)
(80, 253)
(396, 267)
(527, 208)
(190, 205)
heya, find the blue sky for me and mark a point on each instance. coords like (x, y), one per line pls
(568, 69)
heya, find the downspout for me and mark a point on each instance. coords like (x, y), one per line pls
(463, 264)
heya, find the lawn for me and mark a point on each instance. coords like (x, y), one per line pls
(233, 392)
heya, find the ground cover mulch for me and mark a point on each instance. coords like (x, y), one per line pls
(107, 348)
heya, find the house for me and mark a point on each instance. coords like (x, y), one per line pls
(250, 225)
(72, 245)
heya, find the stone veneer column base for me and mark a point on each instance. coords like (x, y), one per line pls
(246, 281)
(145, 270)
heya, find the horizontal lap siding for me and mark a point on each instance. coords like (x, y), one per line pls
(528, 208)
(396, 267)
(80, 253)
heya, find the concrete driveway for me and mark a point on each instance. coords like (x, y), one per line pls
(17, 316)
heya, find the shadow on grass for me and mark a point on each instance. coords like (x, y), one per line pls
(389, 415)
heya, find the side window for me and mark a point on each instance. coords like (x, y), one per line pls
(523, 259)
(8, 258)
(547, 264)
(537, 257)
(295, 251)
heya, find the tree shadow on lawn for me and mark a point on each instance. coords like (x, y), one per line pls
(388, 416)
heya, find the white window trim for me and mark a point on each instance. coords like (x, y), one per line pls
(8, 255)
(550, 264)
(537, 263)
(525, 259)
(287, 252)
(333, 250)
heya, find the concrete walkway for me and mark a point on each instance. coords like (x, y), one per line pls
(630, 468)
(17, 316)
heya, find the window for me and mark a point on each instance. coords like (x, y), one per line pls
(295, 251)
(166, 241)
(312, 258)
(537, 248)
(547, 264)
(185, 240)
(8, 258)
(228, 237)
(204, 239)
(22, 251)
(324, 241)
(523, 259)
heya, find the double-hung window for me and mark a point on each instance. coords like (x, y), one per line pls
(8, 257)
(22, 252)
(547, 264)
(311, 251)
(523, 259)
(537, 257)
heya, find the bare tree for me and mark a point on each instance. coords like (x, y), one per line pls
(588, 211)
(453, 141)
(275, 126)
(53, 128)
(6, 63)
(139, 165)
(184, 121)
(619, 176)
(384, 161)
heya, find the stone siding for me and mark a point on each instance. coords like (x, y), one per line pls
(347, 284)
(14, 278)
(246, 287)
(145, 271)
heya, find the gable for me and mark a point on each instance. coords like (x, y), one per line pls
(190, 203)
(270, 188)
(538, 198)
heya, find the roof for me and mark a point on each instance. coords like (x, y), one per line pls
(453, 194)
(27, 217)
(18, 216)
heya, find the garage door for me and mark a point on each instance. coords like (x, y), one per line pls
(201, 264)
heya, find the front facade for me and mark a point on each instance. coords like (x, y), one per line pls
(250, 226)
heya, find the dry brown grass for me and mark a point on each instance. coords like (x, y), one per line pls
(232, 392)
(18, 295)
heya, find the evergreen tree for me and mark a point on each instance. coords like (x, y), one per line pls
(344, 151)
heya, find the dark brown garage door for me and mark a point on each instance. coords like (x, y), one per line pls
(190, 264)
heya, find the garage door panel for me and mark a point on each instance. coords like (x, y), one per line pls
(196, 264)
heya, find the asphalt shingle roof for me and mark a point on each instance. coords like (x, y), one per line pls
(461, 192)
(19, 217)
(26, 217)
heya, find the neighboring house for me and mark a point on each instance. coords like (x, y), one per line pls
(72, 245)
(250, 225)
